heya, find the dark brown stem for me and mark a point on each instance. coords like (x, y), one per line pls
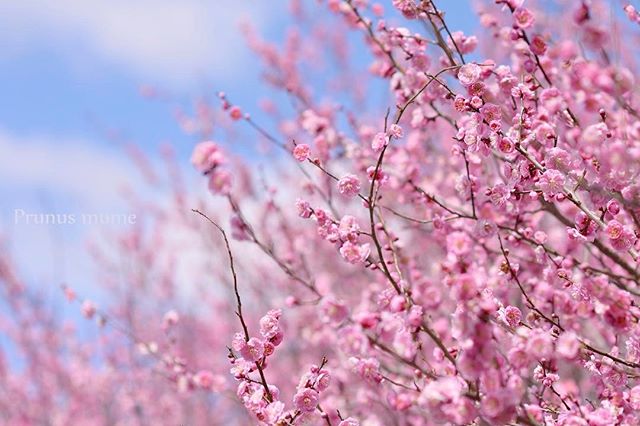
(245, 329)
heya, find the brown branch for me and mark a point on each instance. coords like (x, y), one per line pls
(245, 329)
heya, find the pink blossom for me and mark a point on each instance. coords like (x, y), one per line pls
(545, 377)
(538, 45)
(395, 131)
(349, 185)
(523, 18)
(304, 209)
(568, 345)
(460, 104)
(274, 412)
(407, 7)
(518, 357)
(270, 327)
(88, 309)
(613, 207)
(334, 311)
(634, 397)
(621, 237)
(349, 228)
(502, 285)
(306, 400)
(354, 253)
(367, 368)
(301, 152)
(551, 183)
(469, 74)
(204, 379)
(557, 158)
(238, 342)
(506, 145)
(235, 113)
(595, 133)
(540, 345)
(253, 350)
(380, 140)
(512, 316)
(220, 182)
(206, 155)
(632, 13)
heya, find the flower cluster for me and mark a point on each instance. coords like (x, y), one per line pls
(467, 253)
(207, 158)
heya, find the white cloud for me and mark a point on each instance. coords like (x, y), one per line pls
(81, 177)
(88, 174)
(46, 175)
(166, 41)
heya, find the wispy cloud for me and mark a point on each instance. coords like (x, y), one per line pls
(88, 174)
(51, 175)
(165, 41)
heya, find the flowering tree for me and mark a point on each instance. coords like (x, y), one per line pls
(466, 254)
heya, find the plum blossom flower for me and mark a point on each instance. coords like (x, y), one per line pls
(538, 45)
(634, 397)
(380, 140)
(349, 421)
(239, 229)
(306, 400)
(621, 237)
(466, 44)
(545, 377)
(406, 7)
(539, 344)
(568, 345)
(323, 380)
(558, 158)
(349, 185)
(253, 350)
(377, 175)
(205, 379)
(274, 412)
(333, 311)
(512, 316)
(349, 228)
(301, 152)
(518, 357)
(395, 131)
(367, 368)
(469, 74)
(441, 390)
(459, 243)
(491, 112)
(220, 182)
(304, 208)
(613, 207)
(354, 253)
(499, 194)
(632, 13)
(206, 155)
(523, 18)
(460, 103)
(88, 309)
(270, 327)
(595, 133)
(235, 113)
(485, 228)
(551, 183)
(506, 145)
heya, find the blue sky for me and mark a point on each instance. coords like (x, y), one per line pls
(71, 69)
